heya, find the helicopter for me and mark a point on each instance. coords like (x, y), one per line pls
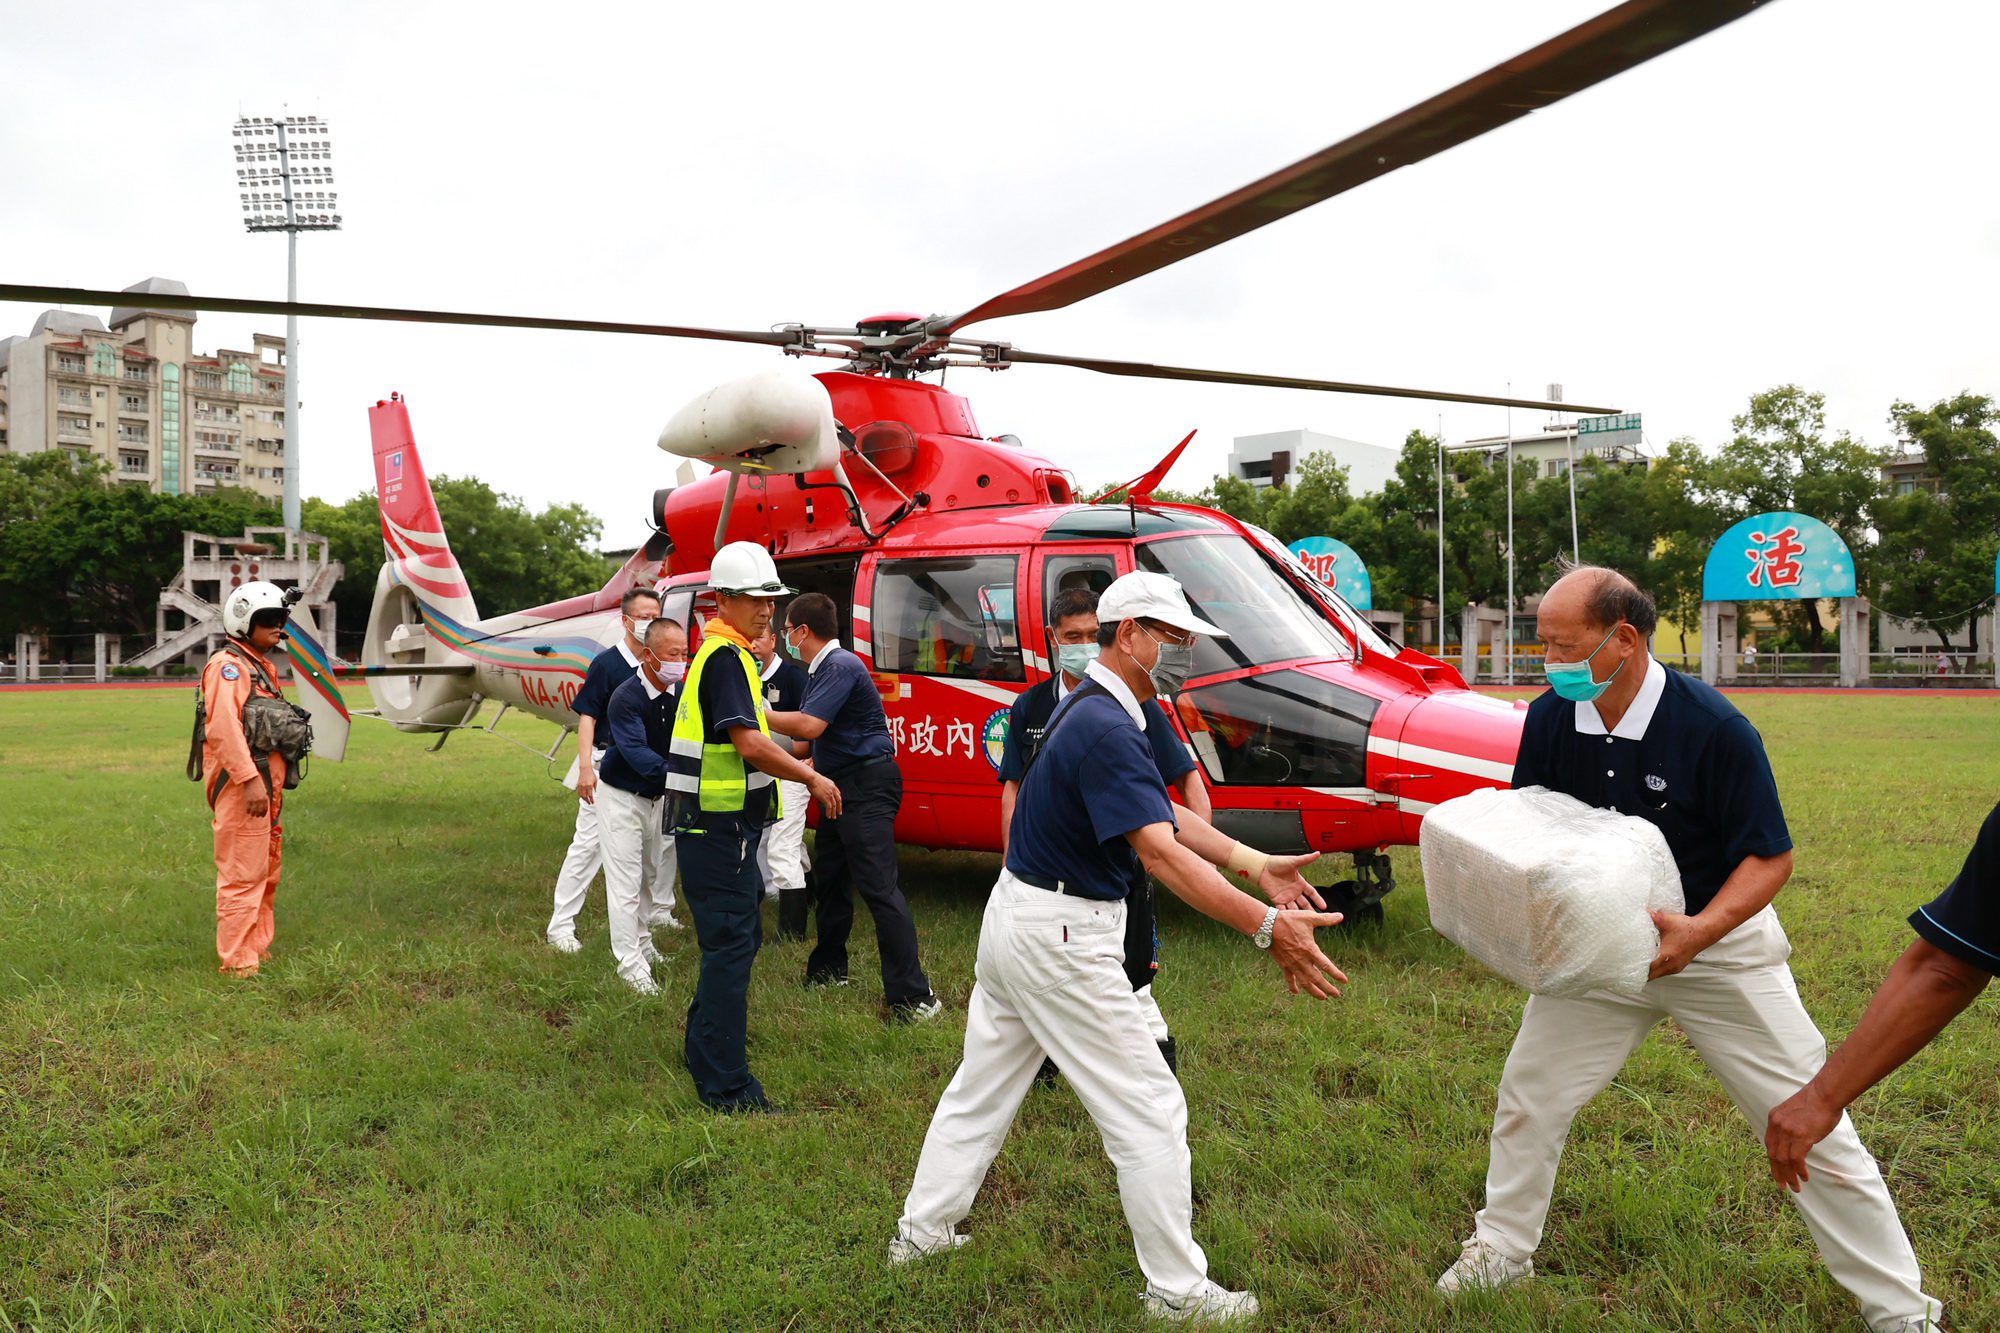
(942, 546)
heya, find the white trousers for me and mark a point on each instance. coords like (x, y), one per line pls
(580, 866)
(1051, 980)
(781, 852)
(1740, 1009)
(630, 834)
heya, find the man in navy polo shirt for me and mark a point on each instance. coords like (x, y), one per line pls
(608, 670)
(842, 716)
(1092, 812)
(1621, 732)
(1956, 952)
(1073, 628)
(633, 780)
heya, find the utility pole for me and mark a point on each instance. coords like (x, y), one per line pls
(1440, 481)
(284, 180)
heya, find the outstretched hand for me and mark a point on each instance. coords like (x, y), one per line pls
(1284, 882)
(1297, 953)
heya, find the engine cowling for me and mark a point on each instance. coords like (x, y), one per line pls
(760, 424)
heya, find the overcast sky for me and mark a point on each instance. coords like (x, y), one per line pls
(1807, 195)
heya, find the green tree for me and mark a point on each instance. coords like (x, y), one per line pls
(1684, 529)
(1936, 556)
(96, 554)
(1781, 458)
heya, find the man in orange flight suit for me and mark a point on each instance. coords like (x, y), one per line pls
(249, 838)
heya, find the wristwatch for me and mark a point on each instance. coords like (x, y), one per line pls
(1262, 939)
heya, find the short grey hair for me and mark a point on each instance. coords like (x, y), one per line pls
(659, 627)
(1611, 597)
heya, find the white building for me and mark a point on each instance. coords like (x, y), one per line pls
(1267, 460)
(138, 396)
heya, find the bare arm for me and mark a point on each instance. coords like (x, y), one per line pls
(799, 726)
(1194, 795)
(1748, 891)
(1282, 880)
(767, 755)
(586, 758)
(1202, 887)
(1925, 990)
(1008, 792)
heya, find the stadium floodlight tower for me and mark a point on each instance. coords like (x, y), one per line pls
(284, 178)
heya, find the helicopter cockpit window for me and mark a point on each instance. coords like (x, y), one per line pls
(1228, 582)
(1285, 729)
(948, 617)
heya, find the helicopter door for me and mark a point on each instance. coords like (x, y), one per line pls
(944, 637)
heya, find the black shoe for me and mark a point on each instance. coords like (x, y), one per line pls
(761, 1106)
(917, 1011)
(814, 979)
(1046, 1076)
(1170, 1053)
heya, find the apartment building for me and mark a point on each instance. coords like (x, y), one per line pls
(137, 395)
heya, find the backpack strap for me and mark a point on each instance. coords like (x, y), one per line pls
(1089, 687)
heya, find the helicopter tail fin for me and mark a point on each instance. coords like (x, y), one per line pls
(419, 555)
(423, 610)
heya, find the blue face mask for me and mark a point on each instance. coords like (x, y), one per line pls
(1075, 658)
(1572, 680)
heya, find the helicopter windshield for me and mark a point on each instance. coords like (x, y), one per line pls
(1229, 584)
(1372, 639)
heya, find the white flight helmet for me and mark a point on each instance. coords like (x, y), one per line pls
(746, 568)
(247, 601)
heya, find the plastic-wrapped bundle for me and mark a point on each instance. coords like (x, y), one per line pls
(1547, 891)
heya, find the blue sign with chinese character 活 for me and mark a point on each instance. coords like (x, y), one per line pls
(1778, 557)
(1334, 563)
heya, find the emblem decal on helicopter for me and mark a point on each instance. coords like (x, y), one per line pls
(993, 736)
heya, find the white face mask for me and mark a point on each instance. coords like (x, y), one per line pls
(672, 672)
(637, 627)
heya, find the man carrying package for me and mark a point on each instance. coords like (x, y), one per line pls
(1619, 731)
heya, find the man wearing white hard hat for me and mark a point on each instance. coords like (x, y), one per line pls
(1091, 817)
(722, 767)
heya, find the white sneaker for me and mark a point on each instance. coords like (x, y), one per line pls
(644, 989)
(650, 951)
(1482, 1267)
(566, 944)
(666, 921)
(923, 1011)
(1211, 1303)
(905, 1251)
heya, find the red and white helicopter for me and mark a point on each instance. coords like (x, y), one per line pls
(942, 546)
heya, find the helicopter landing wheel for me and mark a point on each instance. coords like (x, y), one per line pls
(1345, 897)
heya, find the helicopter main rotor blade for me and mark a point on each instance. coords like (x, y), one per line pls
(1140, 370)
(234, 306)
(1591, 52)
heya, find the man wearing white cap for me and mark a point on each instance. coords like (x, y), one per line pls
(1051, 981)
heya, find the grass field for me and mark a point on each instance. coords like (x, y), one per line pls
(420, 1115)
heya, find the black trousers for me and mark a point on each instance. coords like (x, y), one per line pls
(724, 890)
(856, 853)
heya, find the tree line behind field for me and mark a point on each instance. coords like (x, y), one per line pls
(1924, 556)
(82, 553)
